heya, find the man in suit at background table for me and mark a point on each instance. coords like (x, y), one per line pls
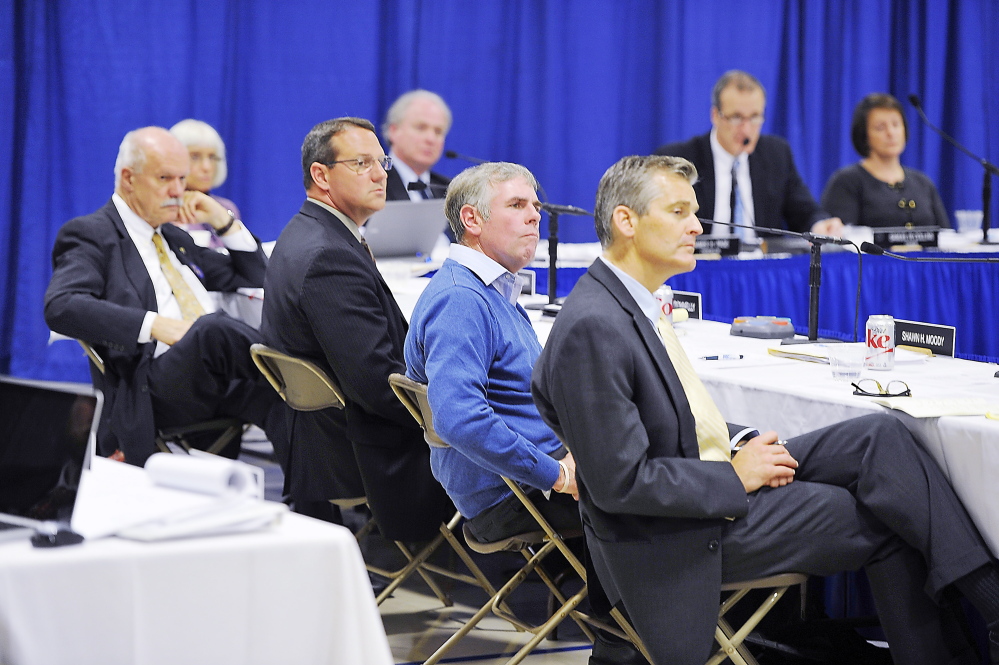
(769, 191)
(672, 508)
(327, 303)
(415, 128)
(136, 288)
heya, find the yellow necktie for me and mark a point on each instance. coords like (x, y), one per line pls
(190, 308)
(712, 432)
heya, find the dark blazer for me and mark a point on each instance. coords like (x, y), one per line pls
(396, 191)
(326, 302)
(100, 292)
(781, 199)
(652, 510)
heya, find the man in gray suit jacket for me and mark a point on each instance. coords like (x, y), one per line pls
(670, 513)
(327, 303)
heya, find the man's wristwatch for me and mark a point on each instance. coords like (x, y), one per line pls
(225, 229)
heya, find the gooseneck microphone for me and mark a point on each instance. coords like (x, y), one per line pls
(816, 240)
(875, 250)
(990, 169)
(451, 154)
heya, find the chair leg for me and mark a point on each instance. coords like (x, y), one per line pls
(414, 564)
(732, 641)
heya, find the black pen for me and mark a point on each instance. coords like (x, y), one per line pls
(723, 357)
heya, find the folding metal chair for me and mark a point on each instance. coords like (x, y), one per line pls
(534, 546)
(230, 428)
(730, 641)
(304, 386)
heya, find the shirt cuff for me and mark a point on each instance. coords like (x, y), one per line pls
(145, 331)
(239, 241)
(742, 435)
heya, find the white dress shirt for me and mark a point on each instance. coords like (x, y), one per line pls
(408, 175)
(723, 190)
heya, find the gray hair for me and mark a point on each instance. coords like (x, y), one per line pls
(195, 132)
(318, 147)
(743, 81)
(629, 183)
(131, 155)
(473, 187)
(399, 107)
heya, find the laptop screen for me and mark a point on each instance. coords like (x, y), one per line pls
(44, 438)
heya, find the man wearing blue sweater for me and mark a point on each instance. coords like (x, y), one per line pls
(474, 347)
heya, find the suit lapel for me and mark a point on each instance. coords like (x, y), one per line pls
(706, 181)
(135, 269)
(657, 352)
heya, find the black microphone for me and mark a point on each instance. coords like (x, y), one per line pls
(871, 248)
(451, 154)
(815, 238)
(565, 210)
(914, 100)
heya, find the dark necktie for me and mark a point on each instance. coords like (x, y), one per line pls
(364, 243)
(425, 192)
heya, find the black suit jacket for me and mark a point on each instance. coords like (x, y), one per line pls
(652, 510)
(326, 302)
(100, 292)
(396, 191)
(781, 199)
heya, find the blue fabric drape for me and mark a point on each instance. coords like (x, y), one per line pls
(565, 87)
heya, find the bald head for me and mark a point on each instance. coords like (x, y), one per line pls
(150, 174)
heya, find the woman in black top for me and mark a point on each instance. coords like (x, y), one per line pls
(878, 191)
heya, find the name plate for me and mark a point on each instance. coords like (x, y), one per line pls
(924, 236)
(936, 338)
(689, 301)
(724, 245)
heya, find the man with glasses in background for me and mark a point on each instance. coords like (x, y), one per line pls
(747, 177)
(327, 303)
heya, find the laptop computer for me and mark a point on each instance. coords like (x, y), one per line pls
(48, 434)
(405, 228)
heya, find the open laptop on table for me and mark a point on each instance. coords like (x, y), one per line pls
(405, 229)
(48, 431)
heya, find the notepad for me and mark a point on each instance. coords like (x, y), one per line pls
(935, 407)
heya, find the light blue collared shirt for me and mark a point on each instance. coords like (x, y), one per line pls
(644, 298)
(490, 272)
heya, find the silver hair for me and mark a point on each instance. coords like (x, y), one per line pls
(473, 187)
(743, 81)
(399, 107)
(195, 132)
(131, 155)
(629, 183)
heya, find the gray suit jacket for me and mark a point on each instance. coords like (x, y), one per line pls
(652, 510)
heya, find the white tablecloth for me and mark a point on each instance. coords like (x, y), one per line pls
(297, 593)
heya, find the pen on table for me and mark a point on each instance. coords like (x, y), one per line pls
(724, 357)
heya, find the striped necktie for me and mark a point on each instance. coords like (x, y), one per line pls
(368, 248)
(712, 432)
(190, 308)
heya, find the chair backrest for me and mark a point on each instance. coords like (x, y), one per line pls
(413, 395)
(301, 384)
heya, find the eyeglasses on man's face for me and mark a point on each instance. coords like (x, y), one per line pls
(737, 120)
(364, 163)
(873, 388)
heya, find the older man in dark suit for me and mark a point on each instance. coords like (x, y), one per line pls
(135, 287)
(415, 128)
(326, 302)
(670, 512)
(745, 177)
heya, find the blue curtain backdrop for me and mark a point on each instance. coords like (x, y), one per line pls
(565, 87)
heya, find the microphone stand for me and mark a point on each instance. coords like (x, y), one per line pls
(816, 241)
(990, 169)
(554, 210)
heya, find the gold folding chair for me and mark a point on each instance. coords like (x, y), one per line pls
(304, 386)
(230, 428)
(730, 641)
(534, 546)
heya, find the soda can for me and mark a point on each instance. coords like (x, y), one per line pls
(880, 342)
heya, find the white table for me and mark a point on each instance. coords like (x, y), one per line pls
(297, 593)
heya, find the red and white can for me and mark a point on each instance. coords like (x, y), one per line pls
(880, 342)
